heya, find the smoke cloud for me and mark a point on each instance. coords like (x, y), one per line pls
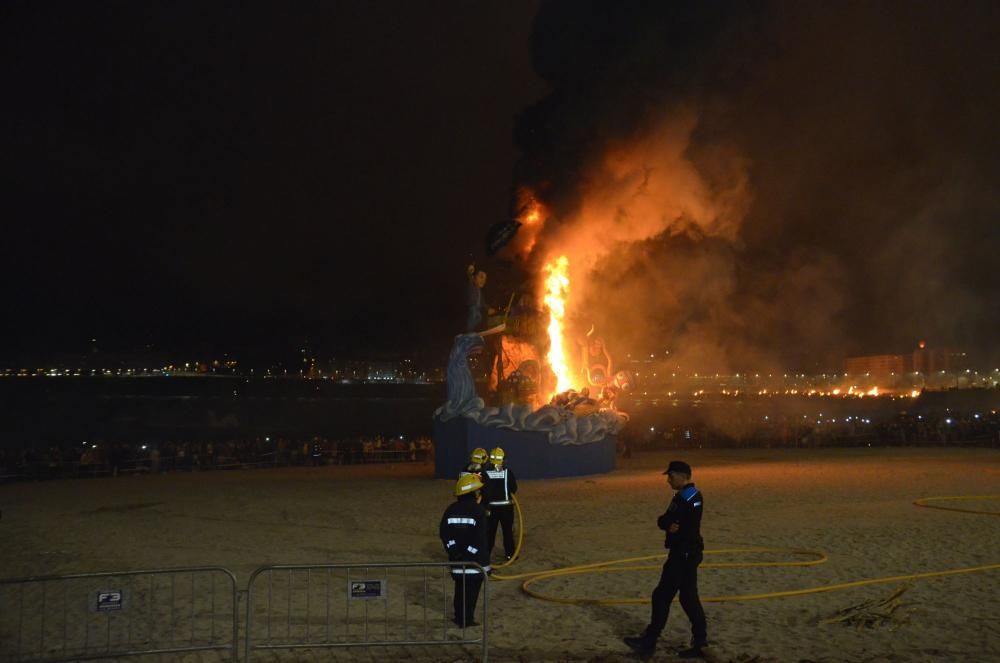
(759, 186)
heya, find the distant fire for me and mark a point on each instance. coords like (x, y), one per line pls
(853, 391)
(556, 291)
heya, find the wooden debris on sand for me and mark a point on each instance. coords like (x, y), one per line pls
(871, 613)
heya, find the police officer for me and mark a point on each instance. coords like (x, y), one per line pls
(499, 493)
(463, 534)
(682, 523)
(476, 462)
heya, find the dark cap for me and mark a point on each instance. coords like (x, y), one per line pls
(678, 466)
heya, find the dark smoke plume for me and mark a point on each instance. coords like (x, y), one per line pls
(770, 185)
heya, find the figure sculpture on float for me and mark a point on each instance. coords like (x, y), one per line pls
(462, 395)
(596, 364)
(588, 420)
(475, 319)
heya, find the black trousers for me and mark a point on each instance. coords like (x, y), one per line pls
(680, 574)
(467, 586)
(502, 515)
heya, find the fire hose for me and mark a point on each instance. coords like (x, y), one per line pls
(520, 538)
(814, 558)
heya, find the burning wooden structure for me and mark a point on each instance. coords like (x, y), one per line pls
(554, 418)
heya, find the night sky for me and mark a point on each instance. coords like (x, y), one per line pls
(215, 178)
(218, 177)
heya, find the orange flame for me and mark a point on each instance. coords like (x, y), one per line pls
(556, 291)
(531, 218)
(533, 214)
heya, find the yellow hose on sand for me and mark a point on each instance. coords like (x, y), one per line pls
(520, 537)
(814, 557)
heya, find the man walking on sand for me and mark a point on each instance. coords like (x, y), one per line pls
(682, 523)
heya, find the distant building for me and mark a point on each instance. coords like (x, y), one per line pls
(878, 365)
(922, 360)
(933, 360)
(381, 371)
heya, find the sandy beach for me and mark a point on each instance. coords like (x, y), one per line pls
(853, 505)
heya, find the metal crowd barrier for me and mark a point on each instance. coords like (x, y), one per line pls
(358, 605)
(85, 616)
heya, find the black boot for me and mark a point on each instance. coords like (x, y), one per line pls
(694, 651)
(643, 644)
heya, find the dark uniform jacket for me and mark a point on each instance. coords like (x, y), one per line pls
(463, 532)
(684, 510)
(499, 484)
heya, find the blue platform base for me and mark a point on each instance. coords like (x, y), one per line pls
(528, 453)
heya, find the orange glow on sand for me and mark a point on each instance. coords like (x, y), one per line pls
(556, 292)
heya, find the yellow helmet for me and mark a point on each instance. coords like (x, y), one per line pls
(468, 483)
(496, 455)
(478, 455)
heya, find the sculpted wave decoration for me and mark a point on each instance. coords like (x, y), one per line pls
(563, 426)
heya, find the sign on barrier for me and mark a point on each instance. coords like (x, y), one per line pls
(109, 599)
(367, 589)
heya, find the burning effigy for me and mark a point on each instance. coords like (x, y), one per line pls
(570, 418)
(554, 408)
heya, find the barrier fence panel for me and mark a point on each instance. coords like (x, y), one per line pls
(48, 619)
(359, 605)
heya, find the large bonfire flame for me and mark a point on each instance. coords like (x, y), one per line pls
(556, 291)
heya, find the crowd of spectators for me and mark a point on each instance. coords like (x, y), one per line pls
(113, 459)
(973, 428)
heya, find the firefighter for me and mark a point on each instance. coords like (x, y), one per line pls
(463, 534)
(476, 462)
(498, 494)
(682, 524)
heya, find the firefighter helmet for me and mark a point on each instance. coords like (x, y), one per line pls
(478, 455)
(468, 483)
(496, 455)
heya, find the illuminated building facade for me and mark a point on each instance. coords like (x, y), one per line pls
(877, 365)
